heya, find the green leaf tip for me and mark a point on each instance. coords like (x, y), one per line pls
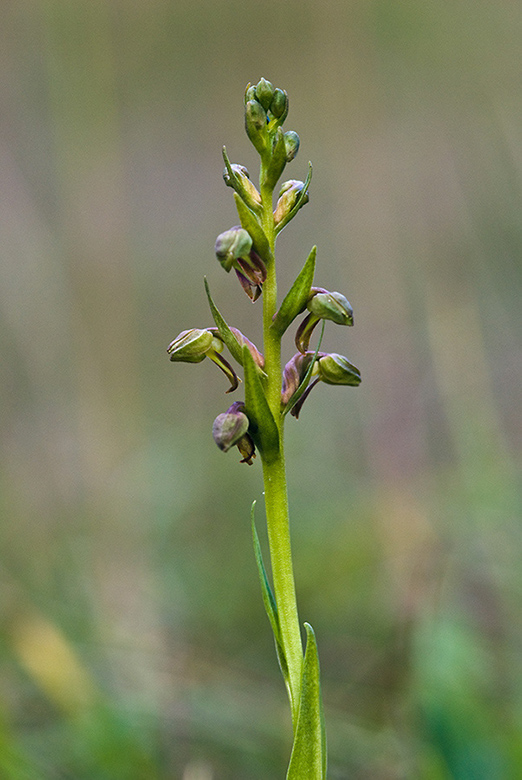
(308, 759)
(297, 297)
(250, 223)
(224, 330)
(264, 428)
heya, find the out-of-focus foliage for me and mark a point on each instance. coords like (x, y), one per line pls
(133, 640)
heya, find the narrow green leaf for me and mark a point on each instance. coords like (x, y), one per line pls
(264, 428)
(308, 759)
(269, 602)
(306, 379)
(224, 331)
(268, 598)
(297, 297)
(251, 225)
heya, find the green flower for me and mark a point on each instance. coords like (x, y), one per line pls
(330, 368)
(322, 305)
(194, 345)
(234, 250)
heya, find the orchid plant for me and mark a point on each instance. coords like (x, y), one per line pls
(271, 391)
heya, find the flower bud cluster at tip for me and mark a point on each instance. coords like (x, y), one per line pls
(266, 108)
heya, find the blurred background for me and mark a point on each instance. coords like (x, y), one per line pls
(133, 639)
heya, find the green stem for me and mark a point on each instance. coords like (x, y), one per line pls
(274, 474)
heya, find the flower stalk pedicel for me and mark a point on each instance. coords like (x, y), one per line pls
(271, 391)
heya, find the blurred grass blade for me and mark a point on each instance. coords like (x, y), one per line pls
(269, 601)
(263, 426)
(297, 297)
(308, 759)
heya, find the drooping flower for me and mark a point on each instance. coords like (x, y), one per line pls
(194, 345)
(322, 305)
(330, 368)
(231, 428)
(234, 250)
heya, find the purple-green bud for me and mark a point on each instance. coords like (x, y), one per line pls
(191, 346)
(331, 306)
(230, 426)
(255, 124)
(291, 144)
(256, 354)
(279, 104)
(231, 245)
(264, 93)
(239, 170)
(290, 192)
(293, 375)
(335, 369)
(243, 186)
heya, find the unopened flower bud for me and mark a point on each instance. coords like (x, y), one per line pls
(251, 272)
(230, 426)
(331, 306)
(291, 145)
(293, 375)
(335, 369)
(231, 245)
(191, 346)
(264, 93)
(239, 170)
(279, 104)
(242, 184)
(256, 354)
(250, 93)
(290, 192)
(255, 124)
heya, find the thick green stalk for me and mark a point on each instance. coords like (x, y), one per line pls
(274, 474)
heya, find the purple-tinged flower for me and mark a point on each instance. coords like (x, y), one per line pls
(234, 250)
(288, 196)
(231, 428)
(330, 368)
